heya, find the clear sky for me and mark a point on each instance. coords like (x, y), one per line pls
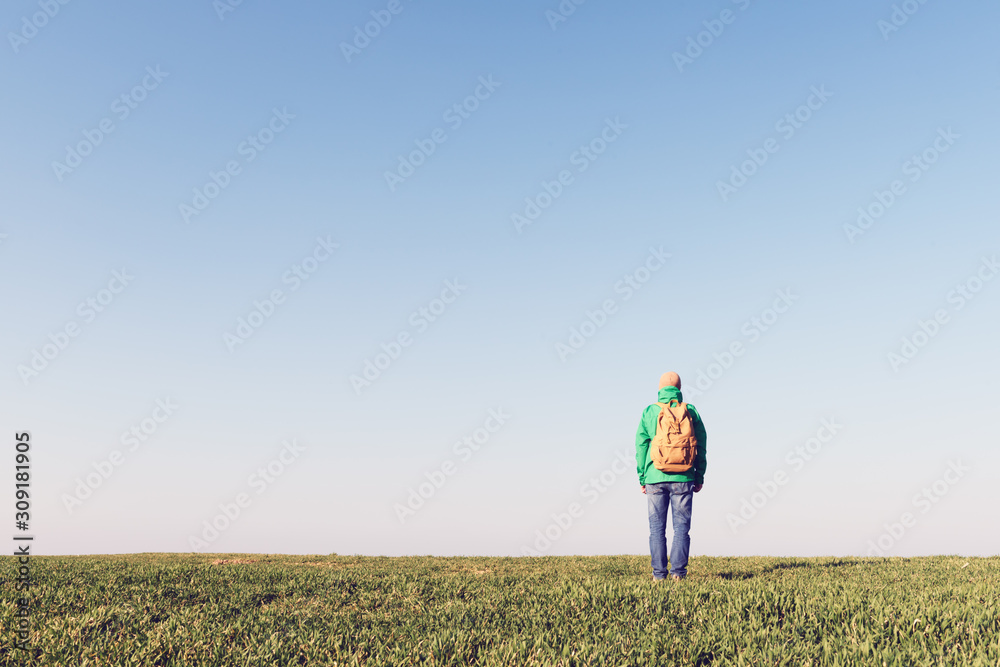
(427, 260)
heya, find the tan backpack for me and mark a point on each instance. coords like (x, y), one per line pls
(674, 446)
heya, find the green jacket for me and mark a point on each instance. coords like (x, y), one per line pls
(648, 474)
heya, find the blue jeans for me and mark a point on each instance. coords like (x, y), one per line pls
(677, 497)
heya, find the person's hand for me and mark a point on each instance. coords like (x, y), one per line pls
(643, 487)
(696, 489)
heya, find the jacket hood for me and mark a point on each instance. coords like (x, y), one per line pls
(668, 393)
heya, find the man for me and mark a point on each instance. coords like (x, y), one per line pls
(669, 489)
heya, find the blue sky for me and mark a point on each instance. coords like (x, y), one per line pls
(622, 146)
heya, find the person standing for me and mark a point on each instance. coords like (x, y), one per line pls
(671, 462)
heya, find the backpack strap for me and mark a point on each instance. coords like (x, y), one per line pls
(672, 403)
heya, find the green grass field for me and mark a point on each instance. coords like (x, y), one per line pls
(245, 609)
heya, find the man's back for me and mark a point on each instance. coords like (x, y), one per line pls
(647, 431)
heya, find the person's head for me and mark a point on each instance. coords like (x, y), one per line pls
(670, 379)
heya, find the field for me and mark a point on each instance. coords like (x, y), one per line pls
(246, 609)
